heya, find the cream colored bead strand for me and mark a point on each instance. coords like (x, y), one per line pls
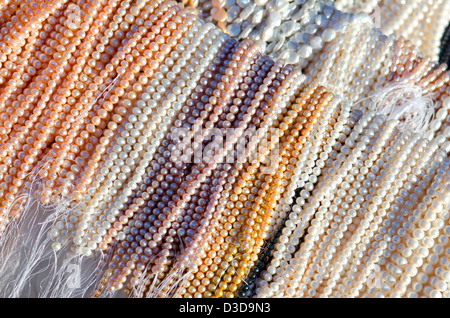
(342, 225)
(396, 213)
(398, 145)
(392, 260)
(420, 158)
(392, 18)
(333, 54)
(356, 42)
(322, 211)
(142, 110)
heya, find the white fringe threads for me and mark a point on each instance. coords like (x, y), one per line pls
(406, 103)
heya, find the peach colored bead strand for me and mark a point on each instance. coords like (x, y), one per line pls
(77, 127)
(71, 129)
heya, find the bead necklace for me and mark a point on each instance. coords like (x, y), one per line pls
(298, 224)
(115, 178)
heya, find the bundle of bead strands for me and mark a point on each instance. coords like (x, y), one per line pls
(287, 281)
(96, 148)
(240, 125)
(351, 44)
(421, 22)
(123, 154)
(444, 56)
(79, 161)
(332, 142)
(283, 276)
